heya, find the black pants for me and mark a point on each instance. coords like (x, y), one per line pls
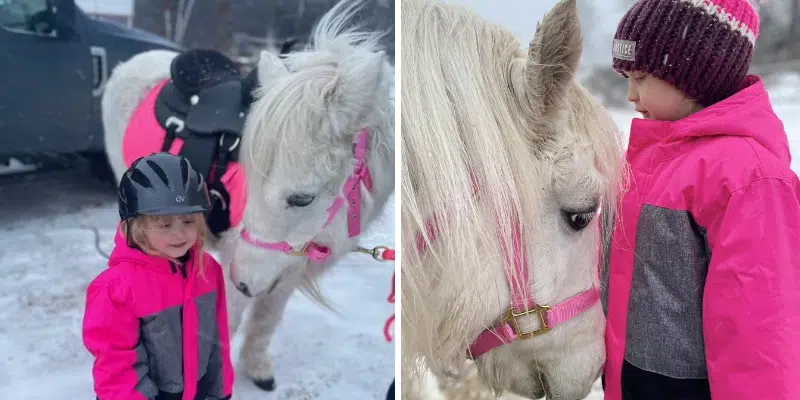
(638, 384)
(390, 393)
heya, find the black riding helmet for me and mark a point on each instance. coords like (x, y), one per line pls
(162, 184)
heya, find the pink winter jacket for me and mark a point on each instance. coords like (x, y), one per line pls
(156, 328)
(704, 277)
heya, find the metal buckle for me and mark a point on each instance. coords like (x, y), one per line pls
(513, 314)
(233, 146)
(376, 252)
(173, 120)
(301, 252)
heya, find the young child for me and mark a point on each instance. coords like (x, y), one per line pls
(156, 319)
(703, 287)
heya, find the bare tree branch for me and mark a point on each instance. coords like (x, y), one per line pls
(183, 19)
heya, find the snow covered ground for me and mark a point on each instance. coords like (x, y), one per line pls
(48, 256)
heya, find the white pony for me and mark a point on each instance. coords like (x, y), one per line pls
(318, 148)
(507, 162)
(315, 109)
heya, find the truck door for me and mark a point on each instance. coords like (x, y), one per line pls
(46, 80)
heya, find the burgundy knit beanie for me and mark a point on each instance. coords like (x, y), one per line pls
(702, 47)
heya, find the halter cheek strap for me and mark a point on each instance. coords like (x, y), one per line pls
(352, 188)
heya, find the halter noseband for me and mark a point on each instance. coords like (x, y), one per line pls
(510, 329)
(351, 195)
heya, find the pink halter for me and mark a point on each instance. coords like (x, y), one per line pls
(352, 195)
(509, 328)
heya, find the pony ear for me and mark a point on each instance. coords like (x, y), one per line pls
(270, 67)
(354, 89)
(553, 57)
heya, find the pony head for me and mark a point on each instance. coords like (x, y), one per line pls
(320, 117)
(496, 138)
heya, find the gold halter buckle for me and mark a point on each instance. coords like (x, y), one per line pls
(301, 252)
(513, 314)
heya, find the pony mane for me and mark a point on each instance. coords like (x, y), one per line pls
(335, 38)
(463, 123)
(338, 30)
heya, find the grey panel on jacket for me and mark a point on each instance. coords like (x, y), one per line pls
(665, 325)
(162, 336)
(145, 385)
(210, 364)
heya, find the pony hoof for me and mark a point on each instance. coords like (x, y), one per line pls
(266, 384)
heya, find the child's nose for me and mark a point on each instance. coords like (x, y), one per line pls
(179, 233)
(633, 95)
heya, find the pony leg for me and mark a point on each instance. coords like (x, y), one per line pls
(265, 314)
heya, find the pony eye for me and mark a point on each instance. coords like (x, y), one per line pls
(300, 200)
(578, 221)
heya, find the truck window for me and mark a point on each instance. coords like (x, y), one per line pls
(31, 16)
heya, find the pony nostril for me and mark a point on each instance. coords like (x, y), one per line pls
(243, 288)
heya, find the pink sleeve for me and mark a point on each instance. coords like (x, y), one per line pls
(111, 334)
(751, 304)
(224, 334)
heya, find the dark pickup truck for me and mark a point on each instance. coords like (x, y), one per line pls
(54, 64)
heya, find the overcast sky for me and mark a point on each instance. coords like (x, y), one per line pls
(521, 16)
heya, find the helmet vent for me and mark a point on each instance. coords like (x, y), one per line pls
(159, 171)
(184, 172)
(200, 183)
(140, 178)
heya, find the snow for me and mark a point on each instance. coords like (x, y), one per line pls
(48, 256)
(14, 166)
(108, 7)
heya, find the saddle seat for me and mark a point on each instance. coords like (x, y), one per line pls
(205, 95)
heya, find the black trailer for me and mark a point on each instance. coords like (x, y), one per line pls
(53, 68)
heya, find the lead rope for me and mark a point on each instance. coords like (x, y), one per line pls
(383, 253)
(389, 321)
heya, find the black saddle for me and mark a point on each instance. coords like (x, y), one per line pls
(205, 95)
(205, 104)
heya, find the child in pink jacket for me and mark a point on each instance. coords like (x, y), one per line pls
(703, 287)
(156, 319)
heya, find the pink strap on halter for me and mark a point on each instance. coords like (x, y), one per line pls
(352, 193)
(509, 328)
(352, 188)
(313, 251)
